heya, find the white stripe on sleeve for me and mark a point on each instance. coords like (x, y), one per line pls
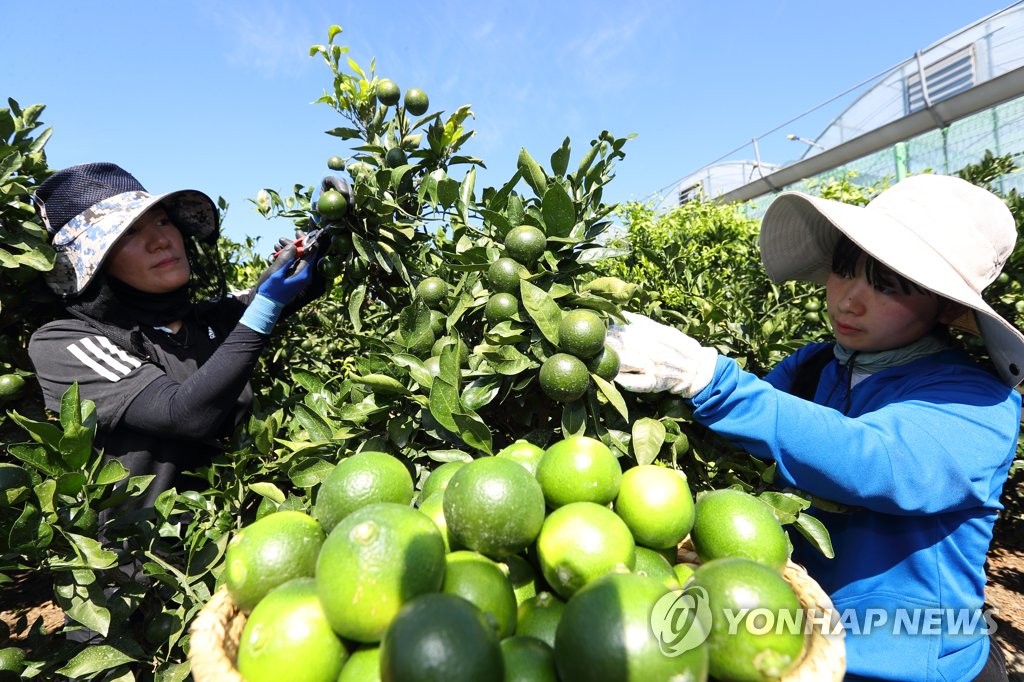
(87, 360)
(99, 354)
(119, 352)
(103, 356)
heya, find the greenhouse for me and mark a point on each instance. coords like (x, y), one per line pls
(939, 110)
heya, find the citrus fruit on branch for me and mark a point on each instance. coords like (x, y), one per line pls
(581, 333)
(388, 92)
(525, 244)
(564, 377)
(332, 205)
(416, 101)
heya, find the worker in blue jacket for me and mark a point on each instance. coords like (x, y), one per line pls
(904, 429)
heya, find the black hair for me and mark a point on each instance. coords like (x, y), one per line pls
(845, 257)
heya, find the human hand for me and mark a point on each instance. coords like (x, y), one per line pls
(283, 282)
(654, 358)
(278, 286)
(339, 184)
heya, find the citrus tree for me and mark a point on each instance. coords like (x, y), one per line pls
(450, 297)
(25, 302)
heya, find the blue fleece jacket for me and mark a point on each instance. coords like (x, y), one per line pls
(920, 453)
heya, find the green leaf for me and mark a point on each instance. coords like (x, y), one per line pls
(310, 472)
(560, 158)
(94, 659)
(481, 391)
(417, 370)
(345, 133)
(70, 483)
(75, 445)
(448, 456)
(355, 302)
(648, 437)
(815, 532)
(315, 425)
(25, 531)
(473, 431)
(508, 361)
(173, 672)
(262, 434)
(532, 173)
(499, 221)
(89, 553)
(112, 472)
(414, 329)
(40, 258)
(515, 210)
(164, 504)
(45, 493)
(447, 191)
(610, 392)
(41, 432)
(559, 212)
(382, 383)
(70, 408)
(588, 159)
(449, 366)
(7, 260)
(35, 456)
(466, 194)
(86, 602)
(611, 288)
(574, 419)
(268, 490)
(444, 404)
(786, 506)
(542, 309)
(309, 381)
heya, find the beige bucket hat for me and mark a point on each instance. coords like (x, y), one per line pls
(940, 232)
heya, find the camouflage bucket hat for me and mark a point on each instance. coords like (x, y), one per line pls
(87, 208)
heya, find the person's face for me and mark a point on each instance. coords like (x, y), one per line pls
(151, 255)
(869, 319)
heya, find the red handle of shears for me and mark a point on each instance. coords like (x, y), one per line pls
(301, 245)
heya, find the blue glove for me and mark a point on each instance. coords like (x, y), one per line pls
(275, 292)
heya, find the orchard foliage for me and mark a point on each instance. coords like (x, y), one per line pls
(380, 362)
(24, 253)
(697, 267)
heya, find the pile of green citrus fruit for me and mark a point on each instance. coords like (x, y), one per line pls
(534, 564)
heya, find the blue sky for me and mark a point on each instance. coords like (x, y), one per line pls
(217, 96)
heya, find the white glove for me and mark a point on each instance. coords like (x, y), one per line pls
(654, 357)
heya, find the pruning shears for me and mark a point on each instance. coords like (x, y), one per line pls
(302, 251)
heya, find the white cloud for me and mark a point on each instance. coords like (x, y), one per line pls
(269, 39)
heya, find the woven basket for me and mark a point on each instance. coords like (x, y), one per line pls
(213, 646)
(217, 630)
(824, 657)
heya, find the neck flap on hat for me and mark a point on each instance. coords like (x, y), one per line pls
(111, 300)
